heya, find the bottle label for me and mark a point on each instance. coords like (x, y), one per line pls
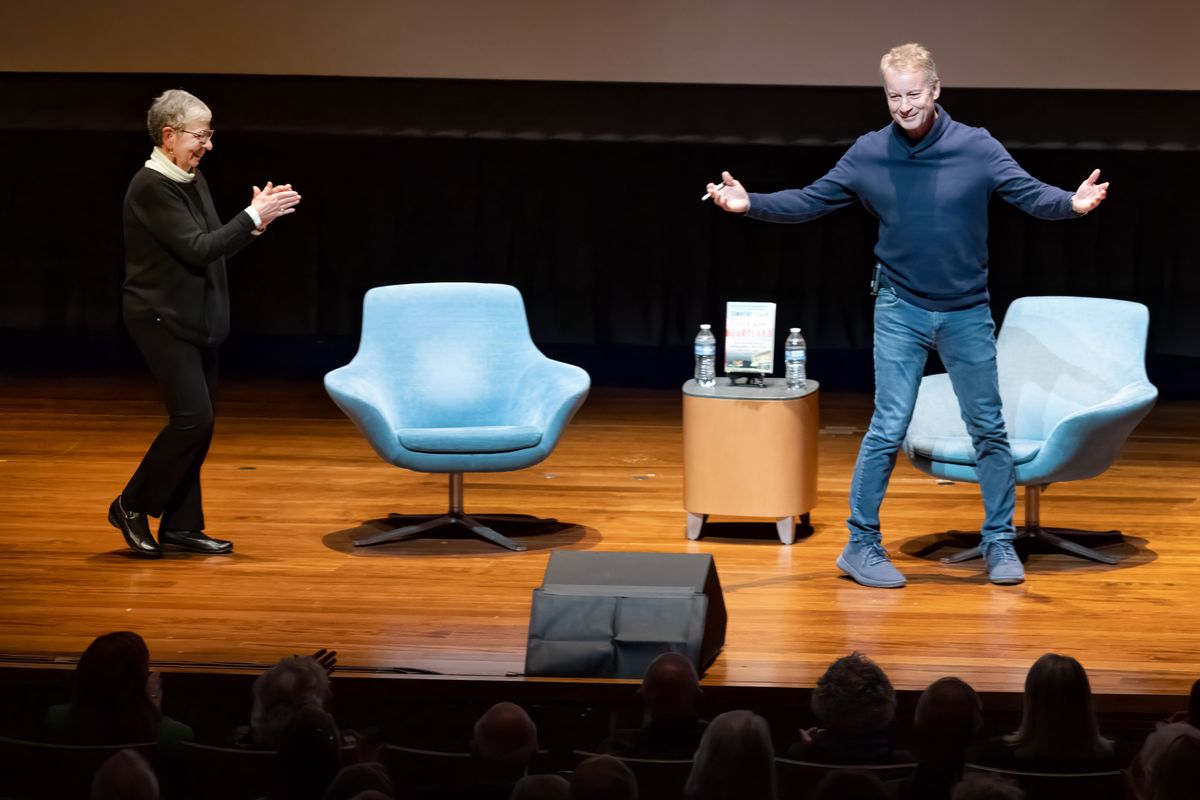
(706, 349)
(795, 358)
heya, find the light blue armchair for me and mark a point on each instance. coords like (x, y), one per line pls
(1073, 382)
(447, 379)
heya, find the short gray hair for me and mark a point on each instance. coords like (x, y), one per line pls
(293, 684)
(171, 109)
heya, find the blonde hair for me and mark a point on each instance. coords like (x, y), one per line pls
(909, 57)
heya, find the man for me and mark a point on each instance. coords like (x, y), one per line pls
(671, 725)
(504, 743)
(928, 180)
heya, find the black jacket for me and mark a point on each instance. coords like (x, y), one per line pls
(175, 251)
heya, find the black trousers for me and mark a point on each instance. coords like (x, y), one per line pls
(167, 482)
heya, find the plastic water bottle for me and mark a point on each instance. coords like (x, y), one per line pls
(795, 359)
(706, 357)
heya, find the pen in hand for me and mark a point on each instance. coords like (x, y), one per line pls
(707, 195)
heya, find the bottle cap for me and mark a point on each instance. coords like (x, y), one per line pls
(794, 330)
(705, 327)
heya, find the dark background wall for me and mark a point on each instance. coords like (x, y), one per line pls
(584, 194)
(1067, 44)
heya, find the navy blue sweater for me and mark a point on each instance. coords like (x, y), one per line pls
(931, 199)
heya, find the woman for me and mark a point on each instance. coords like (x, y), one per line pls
(117, 699)
(176, 308)
(735, 760)
(946, 724)
(1058, 731)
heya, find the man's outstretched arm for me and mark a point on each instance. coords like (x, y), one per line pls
(826, 194)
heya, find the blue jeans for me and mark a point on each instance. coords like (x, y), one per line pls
(966, 342)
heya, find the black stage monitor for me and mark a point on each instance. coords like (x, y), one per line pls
(608, 615)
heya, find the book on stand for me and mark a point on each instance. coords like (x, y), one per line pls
(749, 338)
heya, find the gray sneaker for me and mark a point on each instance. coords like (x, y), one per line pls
(868, 563)
(1003, 564)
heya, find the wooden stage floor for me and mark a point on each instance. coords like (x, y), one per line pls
(291, 482)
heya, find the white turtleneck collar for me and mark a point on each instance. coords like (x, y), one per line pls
(159, 162)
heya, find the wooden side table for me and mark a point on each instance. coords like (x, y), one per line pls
(750, 452)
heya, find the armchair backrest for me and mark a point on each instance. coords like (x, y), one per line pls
(450, 353)
(1056, 355)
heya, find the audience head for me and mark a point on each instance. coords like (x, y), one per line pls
(1059, 719)
(670, 688)
(1194, 705)
(735, 760)
(1178, 771)
(356, 779)
(603, 778)
(125, 775)
(504, 743)
(111, 705)
(309, 756)
(541, 787)
(977, 786)
(948, 717)
(1169, 762)
(293, 684)
(850, 784)
(854, 696)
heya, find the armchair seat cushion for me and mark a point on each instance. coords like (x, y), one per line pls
(959, 450)
(476, 439)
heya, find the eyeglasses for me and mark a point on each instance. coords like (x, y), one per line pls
(203, 136)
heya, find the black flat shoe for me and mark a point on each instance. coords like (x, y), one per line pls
(196, 541)
(135, 529)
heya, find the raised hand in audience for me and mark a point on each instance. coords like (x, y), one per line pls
(326, 659)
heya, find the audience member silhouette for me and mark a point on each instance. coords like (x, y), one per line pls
(946, 724)
(854, 703)
(125, 775)
(292, 685)
(355, 779)
(1168, 765)
(977, 786)
(1177, 773)
(117, 699)
(671, 726)
(735, 760)
(849, 784)
(1193, 712)
(309, 756)
(1058, 731)
(603, 778)
(541, 787)
(504, 741)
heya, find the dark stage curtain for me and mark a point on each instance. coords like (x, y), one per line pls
(585, 196)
